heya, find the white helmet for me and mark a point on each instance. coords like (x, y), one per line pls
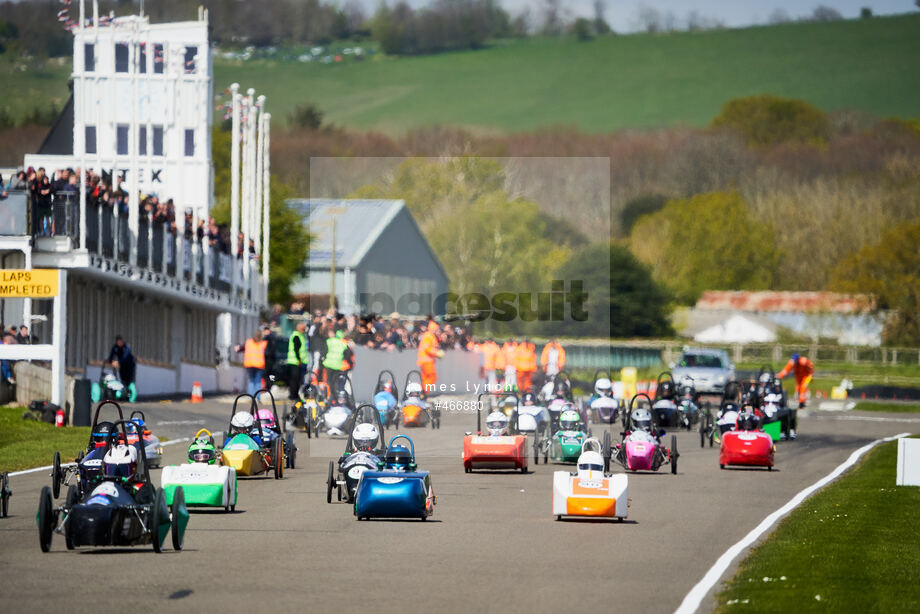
(413, 389)
(241, 422)
(120, 461)
(641, 419)
(497, 422)
(364, 436)
(603, 387)
(590, 461)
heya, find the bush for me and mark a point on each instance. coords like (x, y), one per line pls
(582, 29)
(306, 115)
(637, 207)
(768, 120)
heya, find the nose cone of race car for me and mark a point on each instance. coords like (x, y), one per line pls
(244, 461)
(412, 414)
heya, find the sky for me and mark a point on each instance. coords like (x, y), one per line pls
(622, 15)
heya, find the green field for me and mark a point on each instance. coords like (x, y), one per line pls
(893, 407)
(26, 443)
(853, 547)
(634, 81)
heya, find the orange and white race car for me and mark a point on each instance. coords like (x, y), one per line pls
(500, 446)
(589, 491)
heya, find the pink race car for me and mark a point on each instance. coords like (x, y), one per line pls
(641, 448)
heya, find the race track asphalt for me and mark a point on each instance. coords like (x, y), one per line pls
(491, 545)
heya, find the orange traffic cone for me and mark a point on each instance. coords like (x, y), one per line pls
(196, 393)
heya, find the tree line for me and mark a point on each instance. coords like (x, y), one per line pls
(33, 27)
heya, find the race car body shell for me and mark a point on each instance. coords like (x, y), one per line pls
(566, 446)
(394, 494)
(531, 418)
(204, 485)
(599, 496)
(494, 452)
(640, 455)
(750, 448)
(414, 415)
(243, 454)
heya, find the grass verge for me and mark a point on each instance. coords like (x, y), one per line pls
(901, 408)
(853, 547)
(26, 443)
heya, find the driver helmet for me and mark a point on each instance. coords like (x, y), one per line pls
(766, 377)
(497, 423)
(509, 402)
(414, 390)
(641, 419)
(109, 377)
(388, 386)
(267, 418)
(399, 458)
(603, 387)
(590, 461)
(569, 420)
(202, 451)
(364, 436)
(529, 399)
(665, 389)
(120, 461)
(341, 397)
(748, 422)
(241, 422)
(101, 432)
(560, 389)
(727, 407)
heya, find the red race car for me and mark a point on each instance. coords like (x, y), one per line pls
(747, 444)
(500, 446)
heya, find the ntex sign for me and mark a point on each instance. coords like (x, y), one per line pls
(28, 283)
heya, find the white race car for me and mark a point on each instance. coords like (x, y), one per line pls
(590, 491)
(205, 482)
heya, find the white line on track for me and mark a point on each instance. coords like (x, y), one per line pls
(49, 467)
(694, 598)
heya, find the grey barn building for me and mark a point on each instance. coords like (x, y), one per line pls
(382, 261)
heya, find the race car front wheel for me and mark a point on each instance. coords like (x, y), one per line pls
(329, 482)
(45, 519)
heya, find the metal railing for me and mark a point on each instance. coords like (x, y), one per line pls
(158, 247)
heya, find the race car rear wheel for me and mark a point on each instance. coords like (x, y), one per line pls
(278, 458)
(156, 519)
(73, 497)
(4, 495)
(291, 451)
(56, 475)
(607, 445)
(330, 481)
(45, 519)
(674, 454)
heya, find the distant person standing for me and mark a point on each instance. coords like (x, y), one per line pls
(492, 363)
(254, 361)
(122, 359)
(428, 353)
(297, 358)
(525, 363)
(804, 370)
(336, 358)
(552, 358)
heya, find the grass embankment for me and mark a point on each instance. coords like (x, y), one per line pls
(26, 443)
(633, 81)
(853, 547)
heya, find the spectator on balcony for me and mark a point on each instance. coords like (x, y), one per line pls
(22, 336)
(41, 199)
(71, 186)
(18, 181)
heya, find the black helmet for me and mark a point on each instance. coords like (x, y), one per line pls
(727, 407)
(560, 389)
(529, 399)
(399, 457)
(748, 422)
(665, 389)
(102, 432)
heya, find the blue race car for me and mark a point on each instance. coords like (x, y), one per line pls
(396, 489)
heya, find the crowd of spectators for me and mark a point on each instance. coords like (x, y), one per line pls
(111, 194)
(375, 331)
(12, 336)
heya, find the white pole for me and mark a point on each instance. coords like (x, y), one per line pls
(79, 112)
(260, 150)
(234, 181)
(266, 198)
(58, 339)
(249, 176)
